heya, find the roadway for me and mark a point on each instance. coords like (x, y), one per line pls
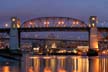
(43, 29)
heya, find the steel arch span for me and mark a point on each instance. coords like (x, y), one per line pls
(42, 22)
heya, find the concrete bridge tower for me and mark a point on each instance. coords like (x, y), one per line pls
(14, 44)
(93, 39)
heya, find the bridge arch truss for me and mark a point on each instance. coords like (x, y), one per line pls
(53, 22)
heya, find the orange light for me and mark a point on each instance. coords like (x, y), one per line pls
(6, 69)
(62, 70)
(73, 22)
(18, 25)
(30, 69)
(95, 45)
(103, 52)
(93, 24)
(47, 69)
(77, 22)
(46, 22)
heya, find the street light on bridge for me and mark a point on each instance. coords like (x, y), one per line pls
(46, 23)
(93, 18)
(75, 22)
(13, 19)
(61, 23)
(6, 25)
(93, 21)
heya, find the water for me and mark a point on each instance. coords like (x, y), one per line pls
(59, 64)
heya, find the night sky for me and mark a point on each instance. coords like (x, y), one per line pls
(27, 9)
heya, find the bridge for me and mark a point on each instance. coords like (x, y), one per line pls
(53, 24)
(43, 24)
(47, 24)
(40, 29)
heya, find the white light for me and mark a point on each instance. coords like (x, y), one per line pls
(93, 18)
(6, 25)
(37, 49)
(75, 51)
(73, 22)
(13, 19)
(93, 24)
(45, 22)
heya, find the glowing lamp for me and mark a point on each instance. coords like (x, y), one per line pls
(73, 22)
(62, 22)
(6, 25)
(13, 19)
(77, 22)
(48, 22)
(59, 22)
(93, 24)
(93, 19)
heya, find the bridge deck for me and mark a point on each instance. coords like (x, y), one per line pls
(43, 29)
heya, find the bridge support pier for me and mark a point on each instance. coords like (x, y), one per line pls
(93, 39)
(14, 44)
(93, 33)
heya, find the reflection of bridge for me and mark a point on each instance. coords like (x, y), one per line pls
(54, 24)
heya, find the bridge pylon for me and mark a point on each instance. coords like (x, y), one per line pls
(93, 36)
(14, 44)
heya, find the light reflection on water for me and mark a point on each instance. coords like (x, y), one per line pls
(62, 64)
